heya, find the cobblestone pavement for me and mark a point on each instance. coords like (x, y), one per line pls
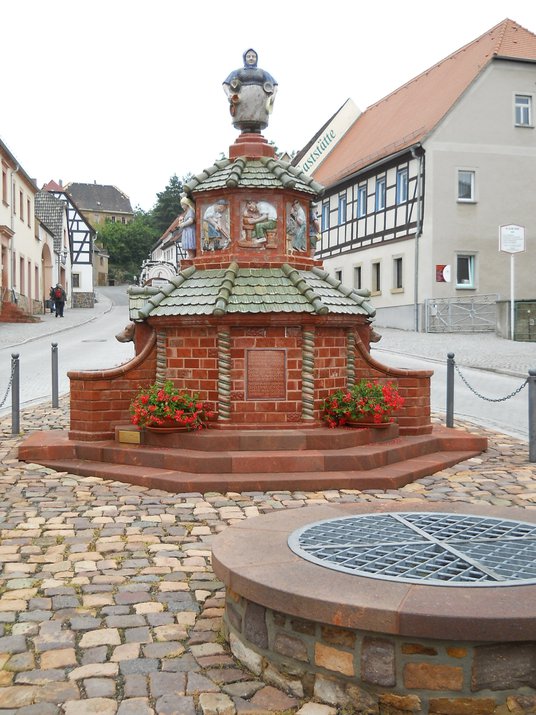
(108, 603)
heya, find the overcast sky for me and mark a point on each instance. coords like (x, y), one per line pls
(128, 92)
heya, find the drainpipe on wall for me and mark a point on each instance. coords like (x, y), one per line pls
(12, 226)
(417, 153)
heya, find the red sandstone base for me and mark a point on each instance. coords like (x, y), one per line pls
(256, 460)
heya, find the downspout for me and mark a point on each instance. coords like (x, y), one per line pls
(12, 226)
(417, 153)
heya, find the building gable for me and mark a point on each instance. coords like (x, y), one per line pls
(406, 116)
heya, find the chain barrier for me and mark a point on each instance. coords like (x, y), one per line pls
(10, 383)
(490, 399)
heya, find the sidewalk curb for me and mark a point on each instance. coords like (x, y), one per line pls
(54, 331)
(496, 371)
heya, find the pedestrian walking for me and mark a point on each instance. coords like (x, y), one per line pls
(59, 300)
(51, 301)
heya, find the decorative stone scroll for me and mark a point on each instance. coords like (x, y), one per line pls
(308, 382)
(161, 359)
(266, 374)
(224, 375)
(350, 359)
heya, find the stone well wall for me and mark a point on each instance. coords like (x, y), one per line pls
(343, 666)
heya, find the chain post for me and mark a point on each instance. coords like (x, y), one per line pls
(450, 389)
(15, 394)
(532, 415)
(55, 398)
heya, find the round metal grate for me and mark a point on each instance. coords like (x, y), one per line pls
(429, 548)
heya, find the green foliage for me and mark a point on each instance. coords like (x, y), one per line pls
(128, 244)
(168, 205)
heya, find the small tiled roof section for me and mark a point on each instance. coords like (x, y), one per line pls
(98, 198)
(258, 173)
(50, 210)
(235, 290)
(409, 114)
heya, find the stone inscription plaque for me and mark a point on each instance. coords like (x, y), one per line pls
(266, 374)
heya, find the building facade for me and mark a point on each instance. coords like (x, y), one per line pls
(27, 258)
(420, 185)
(81, 248)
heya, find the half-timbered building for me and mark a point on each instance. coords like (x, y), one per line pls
(80, 249)
(420, 185)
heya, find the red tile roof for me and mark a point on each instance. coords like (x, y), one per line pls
(410, 113)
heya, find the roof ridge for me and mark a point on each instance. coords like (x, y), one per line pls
(358, 296)
(502, 33)
(301, 285)
(166, 290)
(433, 67)
(222, 299)
(237, 170)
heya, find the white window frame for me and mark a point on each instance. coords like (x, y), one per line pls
(468, 283)
(398, 273)
(379, 199)
(376, 272)
(471, 174)
(361, 200)
(523, 110)
(357, 276)
(338, 274)
(341, 210)
(325, 216)
(401, 186)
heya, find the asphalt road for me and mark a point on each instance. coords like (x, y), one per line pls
(85, 341)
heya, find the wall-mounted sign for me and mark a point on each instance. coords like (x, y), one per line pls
(442, 273)
(332, 133)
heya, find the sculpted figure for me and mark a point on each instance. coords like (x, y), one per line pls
(259, 223)
(216, 235)
(127, 334)
(296, 226)
(251, 92)
(187, 227)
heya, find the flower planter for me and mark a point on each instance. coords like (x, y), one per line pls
(167, 427)
(372, 425)
(361, 404)
(165, 408)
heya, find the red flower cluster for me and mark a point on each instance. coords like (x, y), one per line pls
(367, 400)
(161, 404)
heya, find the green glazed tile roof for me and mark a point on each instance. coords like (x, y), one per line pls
(236, 290)
(260, 173)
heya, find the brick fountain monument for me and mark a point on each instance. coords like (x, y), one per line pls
(254, 324)
(384, 609)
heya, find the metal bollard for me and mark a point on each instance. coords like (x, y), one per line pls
(15, 394)
(532, 415)
(450, 389)
(55, 398)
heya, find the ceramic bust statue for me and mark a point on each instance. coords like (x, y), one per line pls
(251, 92)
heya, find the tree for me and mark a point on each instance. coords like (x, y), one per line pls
(128, 244)
(168, 205)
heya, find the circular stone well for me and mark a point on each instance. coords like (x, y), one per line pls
(425, 608)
